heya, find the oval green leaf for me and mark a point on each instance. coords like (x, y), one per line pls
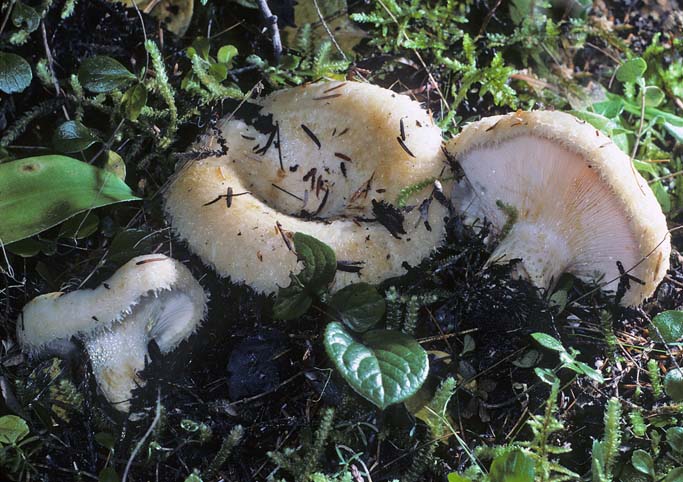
(673, 384)
(642, 462)
(387, 368)
(103, 74)
(72, 136)
(631, 70)
(15, 73)
(133, 101)
(675, 475)
(320, 262)
(359, 306)
(548, 341)
(291, 302)
(674, 437)
(41, 192)
(668, 326)
(12, 429)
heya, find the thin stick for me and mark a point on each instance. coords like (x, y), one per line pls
(327, 29)
(271, 20)
(141, 442)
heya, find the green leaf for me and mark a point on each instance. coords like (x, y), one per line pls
(80, 226)
(675, 475)
(642, 462)
(386, 368)
(226, 54)
(291, 302)
(359, 306)
(546, 375)
(674, 437)
(673, 384)
(133, 101)
(106, 440)
(584, 369)
(454, 477)
(528, 359)
(653, 96)
(548, 341)
(15, 73)
(41, 192)
(631, 70)
(25, 15)
(116, 165)
(514, 466)
(103, 74)
(27, 248)
(108, 474)
(72, 136)
(668, 326)
(13, 429)
(320, 263)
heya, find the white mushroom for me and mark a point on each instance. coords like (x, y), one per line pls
(318, 159)
(151, 297)
(567, 198)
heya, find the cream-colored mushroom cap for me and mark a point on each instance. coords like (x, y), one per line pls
(580, 206)
(317, 159)
(150, 297)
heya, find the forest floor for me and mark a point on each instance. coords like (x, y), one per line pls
(253, 398)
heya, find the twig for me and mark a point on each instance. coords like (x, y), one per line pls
(4, 20)
(327, 29)
(141, 442)
(271, 21)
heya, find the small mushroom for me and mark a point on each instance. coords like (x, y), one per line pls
(562, 198)
(151, 297)
(327, 159)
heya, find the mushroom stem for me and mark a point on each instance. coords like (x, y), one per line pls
(116, 356)
(542, 253)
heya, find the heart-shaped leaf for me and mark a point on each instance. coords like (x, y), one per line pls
(668, 326)
(103, 74)
(25, 16)
(41, 192)
(15, 73)
(386, 368)
(359, 306)
(72, 136)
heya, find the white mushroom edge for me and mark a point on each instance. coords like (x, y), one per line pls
(150, 297)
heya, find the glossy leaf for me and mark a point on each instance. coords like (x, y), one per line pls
(668, 326)
(320, 262)
(103, 74)
(226, 54)
(72, 136)
(548, 342)
(387, 367)
(41, 192)
(359, 306)
(13, 429)
(642, 462)
(673, 384)
(15, 73)
(115, 164)
(291, 302)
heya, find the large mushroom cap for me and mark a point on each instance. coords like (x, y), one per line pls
(316, 159)
(567, 198)
(150, 297)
